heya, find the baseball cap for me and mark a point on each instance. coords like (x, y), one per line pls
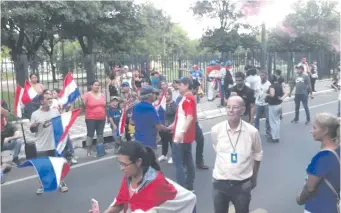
(146, 90)
(126, 67)
(187, 81)
(115, 98)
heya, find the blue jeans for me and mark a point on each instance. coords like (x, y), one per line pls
(304, 99)
(14, 145)
(182, 156)
(222, 94)
(259, 110)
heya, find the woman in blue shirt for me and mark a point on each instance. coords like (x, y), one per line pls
(324, 168)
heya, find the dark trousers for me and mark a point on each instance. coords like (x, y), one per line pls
(222, 94)
(166, 140)
(182, 156)
(313, 81)
(237, 192)
(304, 99)
(94, 125)
(199, 139)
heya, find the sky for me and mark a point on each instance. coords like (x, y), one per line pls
(179, 11)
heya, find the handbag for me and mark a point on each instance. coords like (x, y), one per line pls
(331, 186)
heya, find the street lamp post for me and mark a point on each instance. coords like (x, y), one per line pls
(263, 54)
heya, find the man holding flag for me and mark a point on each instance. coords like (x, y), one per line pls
(42, 127)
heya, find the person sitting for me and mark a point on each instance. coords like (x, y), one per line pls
(11, 139)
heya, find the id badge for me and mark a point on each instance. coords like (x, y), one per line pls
(234, 158)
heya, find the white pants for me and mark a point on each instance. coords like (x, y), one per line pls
(211, 92)
(275, 120)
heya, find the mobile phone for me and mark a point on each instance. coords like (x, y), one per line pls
(95, 206)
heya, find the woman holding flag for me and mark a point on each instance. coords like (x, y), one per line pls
(144, 188)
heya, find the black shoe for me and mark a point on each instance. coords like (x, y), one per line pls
(294, 121)
(275, 140)
(307, 122)
(16, 161)
(202, 166)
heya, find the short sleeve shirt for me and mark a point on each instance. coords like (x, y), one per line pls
(247, 94)
(186, 107)
(145, 118)
(324, 165)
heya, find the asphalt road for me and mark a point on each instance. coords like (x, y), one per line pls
(281, 174)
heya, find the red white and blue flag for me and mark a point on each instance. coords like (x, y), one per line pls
(19, 91)
(122, 123)
(50, 170)
(70, 91)
(160, 106)
(161, 195)
(61, 126)
(29, 93)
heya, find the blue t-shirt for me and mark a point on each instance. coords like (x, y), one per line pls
(196, 74)
(115, 114)
(155, 82)
(325, 165)
(145, 118)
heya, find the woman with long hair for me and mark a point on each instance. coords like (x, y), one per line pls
(112, 85)
(321, 192)
(95, 116)
(144, 188)
(275, 98)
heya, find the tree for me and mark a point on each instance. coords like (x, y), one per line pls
(226, 37)
(97, 24)
(25, 26)
(313, 25)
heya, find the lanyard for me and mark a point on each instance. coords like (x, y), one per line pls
(235, 145)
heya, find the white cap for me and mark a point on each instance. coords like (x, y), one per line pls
(126, 67)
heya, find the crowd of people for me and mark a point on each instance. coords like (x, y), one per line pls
(247, 96)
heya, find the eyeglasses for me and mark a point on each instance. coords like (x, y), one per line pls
(124, 165)
(234, 108)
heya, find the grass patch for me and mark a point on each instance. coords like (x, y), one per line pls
(7, 75)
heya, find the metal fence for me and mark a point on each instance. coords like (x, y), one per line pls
(172, 67)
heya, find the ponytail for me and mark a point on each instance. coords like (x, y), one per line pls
(152, 159)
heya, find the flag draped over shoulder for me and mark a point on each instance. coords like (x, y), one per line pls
(61, 126)
(19, 91)
(70, 91)
(161, 195)
(160, 106)
(51, 171)
(29, 93)
(122, 123)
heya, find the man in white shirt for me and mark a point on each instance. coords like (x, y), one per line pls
(220, 78)
(262, 107)
(238, 154)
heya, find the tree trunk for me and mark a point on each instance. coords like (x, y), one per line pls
(53, 69)
(89, 65)
(21, 69)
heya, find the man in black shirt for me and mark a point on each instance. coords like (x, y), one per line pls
(247, 94)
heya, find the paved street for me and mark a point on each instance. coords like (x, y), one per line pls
(281, 174)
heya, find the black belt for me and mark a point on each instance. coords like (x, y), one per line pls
(235, 182)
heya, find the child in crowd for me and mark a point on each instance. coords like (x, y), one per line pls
(114, 115)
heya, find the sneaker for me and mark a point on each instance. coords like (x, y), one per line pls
(162, 158)
(40, 191)
(74, 161)
(202, 166)
(307, 122)
(170, 160)
(294, 121)
(63, 187)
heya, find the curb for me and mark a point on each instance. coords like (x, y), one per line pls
(214, 113)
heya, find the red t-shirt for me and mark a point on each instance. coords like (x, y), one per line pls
(94, 107)
(187, 106)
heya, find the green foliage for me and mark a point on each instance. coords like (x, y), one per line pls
(227, 37)
(313, 25)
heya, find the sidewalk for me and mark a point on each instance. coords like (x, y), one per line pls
(205, 110)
